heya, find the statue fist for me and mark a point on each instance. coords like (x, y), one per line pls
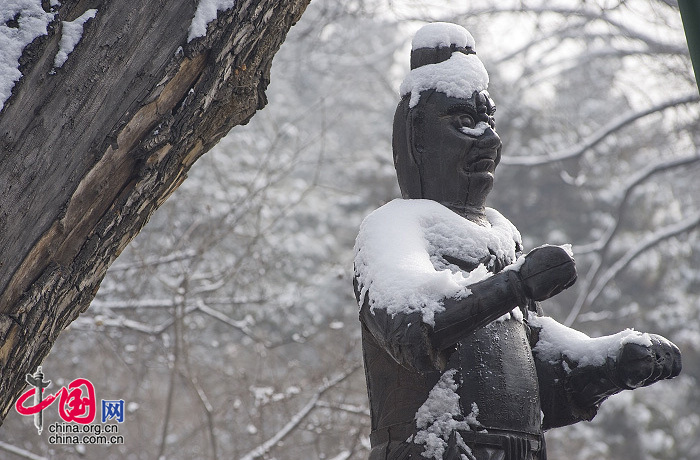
(546, 271)
(639, 365)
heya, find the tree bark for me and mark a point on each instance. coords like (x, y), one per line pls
(90, 150)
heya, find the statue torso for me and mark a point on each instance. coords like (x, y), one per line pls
(496, 371)
(498, 374)
(495, 367)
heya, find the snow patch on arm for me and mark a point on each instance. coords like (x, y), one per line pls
(556, 340)
(21, 21)
(399, 253)
(205, 13)
(72, 32)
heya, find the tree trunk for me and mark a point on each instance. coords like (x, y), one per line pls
(89, 150)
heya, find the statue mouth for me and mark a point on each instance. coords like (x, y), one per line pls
(483, 163)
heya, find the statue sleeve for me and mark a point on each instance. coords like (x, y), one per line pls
(560, 401)
(577, 373)
(425, 348)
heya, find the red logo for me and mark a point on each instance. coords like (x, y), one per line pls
(72, 405)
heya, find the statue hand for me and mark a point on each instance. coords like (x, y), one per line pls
(547, 271)
(639, 365)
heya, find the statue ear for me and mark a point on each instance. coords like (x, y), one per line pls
(415, 140)
(406, 158)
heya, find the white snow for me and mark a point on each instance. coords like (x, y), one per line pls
(435, 419)
(556, 340)
(515, 314)
(569, 250)
(72, 32)
(459, 77)
(442, 34)
(516, 266)
(205, 13)
(477, 130)
(399, 249)
(32, 21)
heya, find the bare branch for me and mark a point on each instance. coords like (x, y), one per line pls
(662, 235)
(601, 247)
(349, 408)
(173, 364)
(344, 455)
(20, 452)
(203, 399)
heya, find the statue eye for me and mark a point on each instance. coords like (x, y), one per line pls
(465, 121)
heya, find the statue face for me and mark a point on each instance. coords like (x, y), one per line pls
(455, 147)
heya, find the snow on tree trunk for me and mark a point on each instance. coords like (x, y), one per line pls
(90, 149)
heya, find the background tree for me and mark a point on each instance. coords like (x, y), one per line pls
(229, 325)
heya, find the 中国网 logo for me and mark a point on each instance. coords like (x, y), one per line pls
(77, 407)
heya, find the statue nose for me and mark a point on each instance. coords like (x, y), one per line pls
(489, 139)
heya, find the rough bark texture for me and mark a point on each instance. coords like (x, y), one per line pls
(89, 152)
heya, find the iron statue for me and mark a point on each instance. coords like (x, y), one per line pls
(460, 360)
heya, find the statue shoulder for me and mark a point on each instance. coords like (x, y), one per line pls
(500, 222)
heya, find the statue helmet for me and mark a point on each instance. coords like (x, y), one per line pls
(443, 60)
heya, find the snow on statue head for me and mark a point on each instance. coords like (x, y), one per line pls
(445, 145)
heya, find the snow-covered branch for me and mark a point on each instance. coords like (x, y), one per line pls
(590, 14)
(598, 136)
(651, 241)
(662, 235)
(299, 416)
(135, 303)
(241, 325)
(662, 166)
(121, 322)
(154, 261)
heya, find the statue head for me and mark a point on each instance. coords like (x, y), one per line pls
(445, 145)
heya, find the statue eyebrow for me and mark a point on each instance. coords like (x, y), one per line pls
(461, 108)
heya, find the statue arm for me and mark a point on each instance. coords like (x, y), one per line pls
(415, 344)
(543, 273)
(489, 299)
(577, 373)
(404, 337)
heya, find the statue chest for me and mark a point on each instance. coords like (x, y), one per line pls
(498, 374)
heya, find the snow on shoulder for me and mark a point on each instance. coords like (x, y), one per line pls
(399, 251)
(459, 76)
